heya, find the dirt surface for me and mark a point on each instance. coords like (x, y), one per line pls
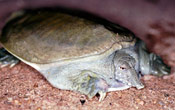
(150, 20)
(23, 88)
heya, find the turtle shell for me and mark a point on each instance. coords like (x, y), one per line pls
(46, 37)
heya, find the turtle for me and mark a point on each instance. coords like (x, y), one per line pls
(78, 54)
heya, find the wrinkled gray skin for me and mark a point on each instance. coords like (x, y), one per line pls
(150, 63)
(122, 68)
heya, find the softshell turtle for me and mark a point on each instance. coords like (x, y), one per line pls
(77, 54)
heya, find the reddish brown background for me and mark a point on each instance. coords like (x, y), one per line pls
(151, 20)
(23, 88)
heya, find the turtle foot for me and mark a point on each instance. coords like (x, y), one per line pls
(6, 59)
(158, 67)
(151, 63)
(89, 84)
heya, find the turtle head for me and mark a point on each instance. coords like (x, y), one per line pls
(125, 72)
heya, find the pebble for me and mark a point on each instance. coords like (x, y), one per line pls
(17, 102)
(38, 108)
(140, 102)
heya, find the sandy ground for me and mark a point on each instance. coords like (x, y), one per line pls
(23, 88)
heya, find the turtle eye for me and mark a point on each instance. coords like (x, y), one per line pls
(122, 68)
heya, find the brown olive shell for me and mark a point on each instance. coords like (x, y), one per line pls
(47, 37)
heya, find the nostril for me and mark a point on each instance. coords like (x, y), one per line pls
(118, 80)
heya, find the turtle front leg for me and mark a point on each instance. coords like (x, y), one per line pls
(90, 84)
(6, 59)
(150, 63)
(157, 65)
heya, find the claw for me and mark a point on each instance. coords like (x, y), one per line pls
(13, 64)
(3, 65)
(6, 59)
(102, 96)
(89, 84)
